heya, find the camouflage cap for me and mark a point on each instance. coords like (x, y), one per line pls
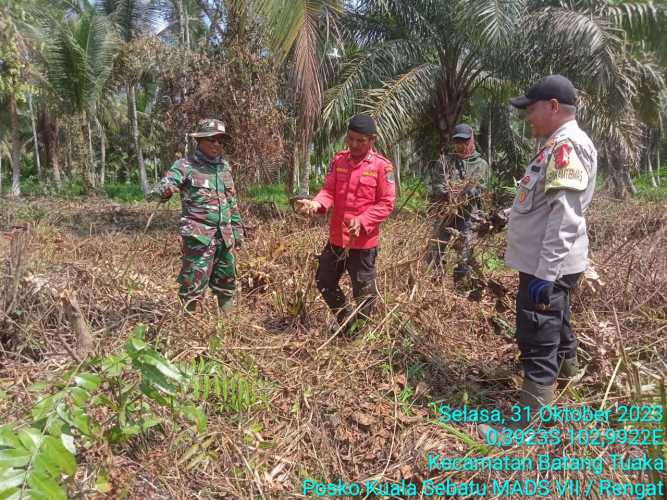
(209, 128)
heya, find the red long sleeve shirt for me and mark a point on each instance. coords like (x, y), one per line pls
(365, 190)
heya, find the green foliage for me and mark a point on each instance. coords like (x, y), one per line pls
(37, 459)
(268, 193)
(220, 389)
(647, 191)
(79, 57)
(412, 195)
(124, 191)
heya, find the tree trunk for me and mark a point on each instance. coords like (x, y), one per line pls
(0, 170)
(85, 343)
(103, 152)
(15, 154)
(619, 181)
(136, 141)
(293, 180)
(52, 147)
(488, 144)
(34, 137)
(397, 168)
(187, 24)
(91, 155)
(84, 158)
(181, 20)
(304, 181)
(657, 162)
(649, 168)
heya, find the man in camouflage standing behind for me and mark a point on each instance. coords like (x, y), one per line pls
(211, 224)
(471, 170)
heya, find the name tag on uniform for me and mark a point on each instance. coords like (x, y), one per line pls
(341, 170)
(370, 173)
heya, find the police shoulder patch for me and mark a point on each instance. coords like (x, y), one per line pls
(565, 169)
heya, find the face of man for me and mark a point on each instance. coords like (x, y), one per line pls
(460, 146)
(211, 146)
(359, 144)
(540, 115)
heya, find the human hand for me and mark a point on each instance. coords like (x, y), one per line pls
(540, 292)
(307, 207)
(168, 191)
(354, 226)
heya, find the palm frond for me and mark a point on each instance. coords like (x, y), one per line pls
(79, 57)
(400, 103)
(366, 70)
(132, 18)
(491, 22)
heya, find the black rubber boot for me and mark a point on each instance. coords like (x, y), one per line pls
(342, 321)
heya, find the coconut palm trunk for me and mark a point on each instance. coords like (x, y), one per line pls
(15, 154)
(33, 120)
(136, 140)
(103, 152)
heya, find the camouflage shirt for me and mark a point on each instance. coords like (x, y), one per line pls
(208, 198)
(473, 167)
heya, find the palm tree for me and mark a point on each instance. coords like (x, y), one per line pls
(13, 74)
(416, 64)
(133, 19)
(301, 32)
(78, 57)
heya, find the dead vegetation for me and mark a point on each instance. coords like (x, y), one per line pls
(331, 409)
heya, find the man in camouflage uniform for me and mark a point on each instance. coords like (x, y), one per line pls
(471, 170)
(211, 224)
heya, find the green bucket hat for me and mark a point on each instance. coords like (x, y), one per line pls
(209, 128)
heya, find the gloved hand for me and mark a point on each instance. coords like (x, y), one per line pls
(540, 291)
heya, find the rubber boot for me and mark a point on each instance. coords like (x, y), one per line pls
(569, 368)
(225, 303)
(462, 273)
(532, 395)
(341, 321)
(569, 372)
(191, 305)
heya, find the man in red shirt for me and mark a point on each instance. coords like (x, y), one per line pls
(360, 188)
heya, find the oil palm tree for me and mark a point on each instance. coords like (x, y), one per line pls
(416, 64)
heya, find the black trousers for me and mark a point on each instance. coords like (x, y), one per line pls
(360, 265)
(545, 338)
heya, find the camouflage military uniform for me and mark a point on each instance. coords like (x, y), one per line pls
(210, 225)
(473, 168)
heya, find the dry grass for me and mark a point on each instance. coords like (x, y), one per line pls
(335, 409)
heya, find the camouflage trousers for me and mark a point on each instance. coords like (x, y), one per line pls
(441, 237)
(212, 265)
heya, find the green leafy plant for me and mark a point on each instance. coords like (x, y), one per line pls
(38, 459)
(227, 392)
